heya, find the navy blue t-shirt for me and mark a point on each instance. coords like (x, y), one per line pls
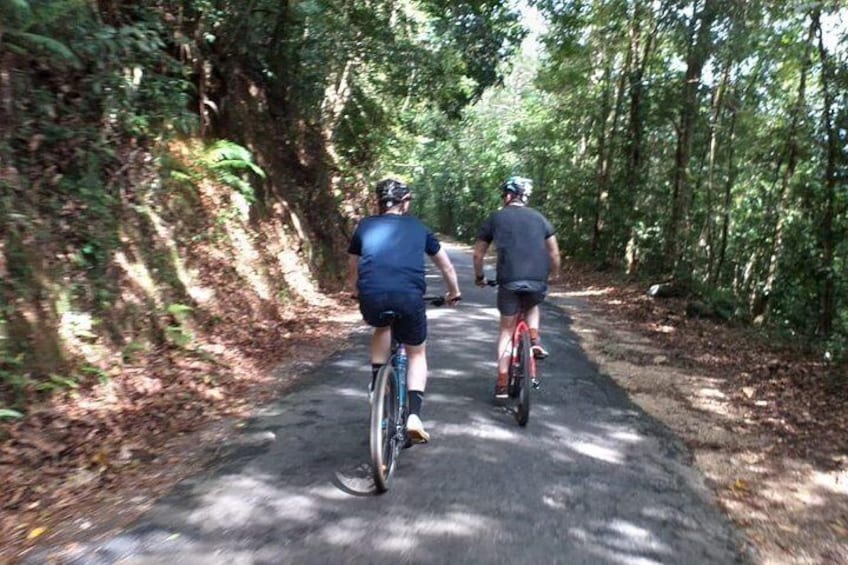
(391, 252)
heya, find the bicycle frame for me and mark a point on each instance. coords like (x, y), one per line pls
(399, 363)
(386, 443)
(521, 328)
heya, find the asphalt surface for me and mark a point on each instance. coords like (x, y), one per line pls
(591, 479)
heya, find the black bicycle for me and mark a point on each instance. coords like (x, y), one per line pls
(390, 409)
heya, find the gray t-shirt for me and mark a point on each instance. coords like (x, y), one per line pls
(519, 234)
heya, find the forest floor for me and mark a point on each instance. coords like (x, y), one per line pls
(766, 422)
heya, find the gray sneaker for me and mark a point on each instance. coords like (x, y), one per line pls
(415, 430)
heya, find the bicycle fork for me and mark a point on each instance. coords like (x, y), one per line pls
(516, 364)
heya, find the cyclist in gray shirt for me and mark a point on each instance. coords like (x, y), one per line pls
(528, 256)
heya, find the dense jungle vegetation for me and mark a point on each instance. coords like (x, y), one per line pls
(166, 164)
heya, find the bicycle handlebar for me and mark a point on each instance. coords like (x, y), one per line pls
(434, 300)
(439, 300)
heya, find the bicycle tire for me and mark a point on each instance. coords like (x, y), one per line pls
(523, 381)
(385, 414)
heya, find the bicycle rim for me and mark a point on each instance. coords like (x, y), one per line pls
(383, 429)
(523, 380)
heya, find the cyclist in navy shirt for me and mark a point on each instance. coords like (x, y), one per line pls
(386, 272)
(528, 254)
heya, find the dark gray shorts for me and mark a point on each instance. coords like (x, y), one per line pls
(517, 296)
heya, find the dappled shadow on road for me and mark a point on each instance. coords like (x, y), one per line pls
(591, 479)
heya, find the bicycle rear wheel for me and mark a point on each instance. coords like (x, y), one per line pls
(385, 418)
(522, 381)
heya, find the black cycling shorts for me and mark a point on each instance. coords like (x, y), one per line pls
(410, 315)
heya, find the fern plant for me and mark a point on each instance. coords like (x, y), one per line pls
(17, 18)
(229, 161)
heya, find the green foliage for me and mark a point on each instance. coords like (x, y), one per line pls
(12, 376)
(599, 128)
(57, 382)
(432, 90)
(228, 162)
(178, 333)
(130, 351)
(8, 414)
(17, 18)
(39, 46)
(101, 375)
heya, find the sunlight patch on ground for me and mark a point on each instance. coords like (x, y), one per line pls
(139, 274)
(607, 546)
(835, 481)
(293, 254)
(346, 317)
(584, 292)
(596, 451)
(449, 399)
(661, 328)
(557, 496)
(397, 544)
(167, 239)
(455, 524)
(349, 531)
(588, 445)
(239, 500)
(76, 331)
(486, 312)
(484, 430)
(637, 534)
(406, 533)
(354, 392)
(438, 313)
(627, 436)
(448, 373)
(711, 400)
(810, 488)
(551, 502)
(329, 492)
(247, 261)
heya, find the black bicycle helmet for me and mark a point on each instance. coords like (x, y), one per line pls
(391, 192)
(521, 187)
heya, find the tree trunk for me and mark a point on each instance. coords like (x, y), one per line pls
(763, 300)
(601, 164)
(6, 99)
(717, 107)
(827, 234)
(677, 232)
(715, 274)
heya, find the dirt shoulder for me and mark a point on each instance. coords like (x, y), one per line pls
(84, 465)
(765, 422)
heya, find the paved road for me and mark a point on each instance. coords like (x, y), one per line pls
(591, 479)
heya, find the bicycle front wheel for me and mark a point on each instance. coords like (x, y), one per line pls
(523, 379)
(385, 420)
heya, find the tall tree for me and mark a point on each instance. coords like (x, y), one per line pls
(699, 49)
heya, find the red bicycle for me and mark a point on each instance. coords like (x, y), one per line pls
(522, 368)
